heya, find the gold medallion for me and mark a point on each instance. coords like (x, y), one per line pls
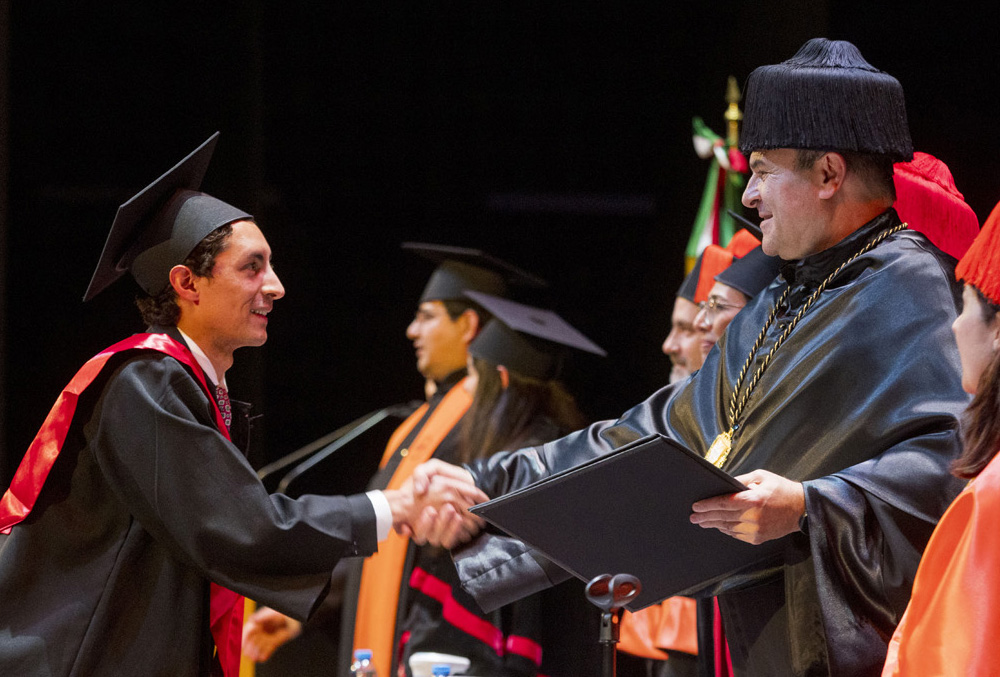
(723, 444)
(719, 451)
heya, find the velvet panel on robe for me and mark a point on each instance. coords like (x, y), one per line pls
(951, 625)
(861, 404)
(146, 504)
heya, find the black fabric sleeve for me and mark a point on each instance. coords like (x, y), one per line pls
(154, 438)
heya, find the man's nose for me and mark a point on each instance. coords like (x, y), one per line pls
(669, 345)
(272, 285)
(751, 195)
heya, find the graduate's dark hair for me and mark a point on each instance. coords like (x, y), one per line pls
(981, 424)
(875, 170)
(455, 308)
(162, 309)
(510, 417)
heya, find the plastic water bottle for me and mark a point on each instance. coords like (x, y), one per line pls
(362, 665)
(441, 670)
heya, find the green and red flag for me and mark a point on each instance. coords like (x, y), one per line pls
(723, 188)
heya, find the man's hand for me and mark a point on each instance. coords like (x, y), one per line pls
(444, 525)
(769, 509)
(424, 473)
(431, 506)
(265, 631)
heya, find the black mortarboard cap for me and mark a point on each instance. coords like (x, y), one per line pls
(158, 227)
(826, 97)
(528, 340)
(690, 283)
(461, 269)
(752, 273)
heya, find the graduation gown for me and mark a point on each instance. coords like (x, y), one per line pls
(148, 503)
(515, 640)
(951, 626)
(860, 404)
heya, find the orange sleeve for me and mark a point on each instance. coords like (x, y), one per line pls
(655, 630)
(952, 623)
(678, 626)
(637, 633)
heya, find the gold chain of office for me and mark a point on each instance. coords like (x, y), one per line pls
(723, 444)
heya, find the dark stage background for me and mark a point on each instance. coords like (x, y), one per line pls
(556, 135)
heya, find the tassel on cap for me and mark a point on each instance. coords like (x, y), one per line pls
(826, 97)
(980, 266)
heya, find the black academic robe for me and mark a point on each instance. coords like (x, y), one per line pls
(147, 503)
(554, 632)
(861, 404)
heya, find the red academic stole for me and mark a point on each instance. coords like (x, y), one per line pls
(382, 573)
(226, 607)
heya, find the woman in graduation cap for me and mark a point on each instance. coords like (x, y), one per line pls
(951, 624)
(514, 361)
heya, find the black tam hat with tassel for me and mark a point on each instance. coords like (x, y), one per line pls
(826, 97)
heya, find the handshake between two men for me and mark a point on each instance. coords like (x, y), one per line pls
(432, 507)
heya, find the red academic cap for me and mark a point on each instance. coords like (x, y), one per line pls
(716, 259)
(980, 266)
(159, 226)
(928, 200)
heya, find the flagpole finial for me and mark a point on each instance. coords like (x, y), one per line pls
(733, 113)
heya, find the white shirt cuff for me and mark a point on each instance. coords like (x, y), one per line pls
(383, 514)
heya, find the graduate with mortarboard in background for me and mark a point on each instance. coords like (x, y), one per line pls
(446, 321)
(515, 364)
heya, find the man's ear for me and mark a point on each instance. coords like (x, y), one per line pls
(470, 319)
(829, 174)
(185, 283)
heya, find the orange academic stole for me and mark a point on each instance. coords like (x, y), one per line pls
(382, 573)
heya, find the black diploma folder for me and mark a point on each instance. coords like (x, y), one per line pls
(627, 512)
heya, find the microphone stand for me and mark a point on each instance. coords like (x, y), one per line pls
(610, 594)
